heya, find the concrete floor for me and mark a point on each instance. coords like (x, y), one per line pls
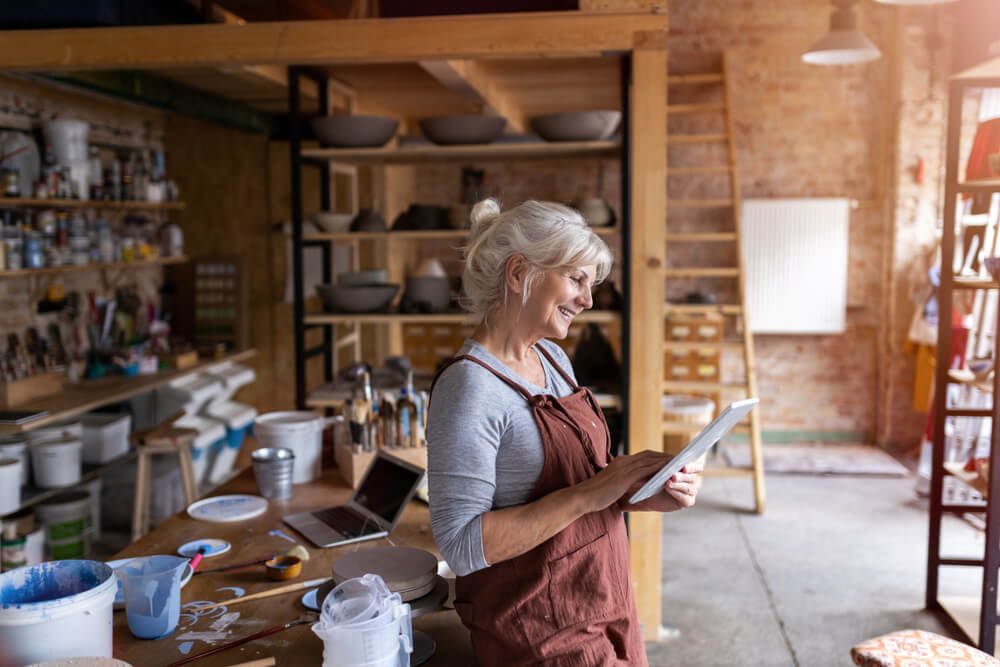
(835, 560)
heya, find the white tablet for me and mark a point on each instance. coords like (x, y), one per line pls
(710, 435)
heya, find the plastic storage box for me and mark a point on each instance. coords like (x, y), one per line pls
(105, 436)
(190, 393)
(210, 440)
(233, 376)
(238, 418)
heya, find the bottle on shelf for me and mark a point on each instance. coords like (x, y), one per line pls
(387, 422)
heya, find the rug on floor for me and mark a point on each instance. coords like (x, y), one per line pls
(818, 458)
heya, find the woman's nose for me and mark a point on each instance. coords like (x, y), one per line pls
(586, 299)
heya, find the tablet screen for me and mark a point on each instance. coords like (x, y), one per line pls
(710, 435)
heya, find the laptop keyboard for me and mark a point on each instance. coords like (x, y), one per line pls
(347, 522)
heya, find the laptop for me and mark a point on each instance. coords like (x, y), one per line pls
(373, 511)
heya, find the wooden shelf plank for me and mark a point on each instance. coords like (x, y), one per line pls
(7, 202)
(675, 109)
(417, 235)
(54, 270)
(90, 394)
(981, 186)
(693, 385)
(32, 495)
(703, 272)
(973, 282)
(715, 169)
(699, 203)
(722, 309)
(597, 316)
(694, 346)
(701, 237)
(484, 152)
(728, 471)
(672, 428)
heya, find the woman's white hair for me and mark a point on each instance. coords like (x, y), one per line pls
(548, 235)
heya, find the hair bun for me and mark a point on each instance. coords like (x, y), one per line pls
(483, 214)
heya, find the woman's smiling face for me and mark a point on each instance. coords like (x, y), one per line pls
(557, 296)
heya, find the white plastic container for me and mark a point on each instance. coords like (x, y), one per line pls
(10, 484)
(59, 431)
(57, 463)
(233, 377)
(68, 139)
(16, 447)
(237, 418)
(105, 436)
(299, 431)
(190, 393)
(210, 439)
(57, 610)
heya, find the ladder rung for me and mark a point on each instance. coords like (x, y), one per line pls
(682, 79)
(699, 203)
(695, 108)
(702, 236)
(968, 412)
(704, 272)
(694, 346)
(693, 385)
(728, 471)
(718, 169)
(690, 308)
(699, 138)
(683, 427)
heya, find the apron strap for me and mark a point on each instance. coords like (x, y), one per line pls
(524, 392)
(552, 361)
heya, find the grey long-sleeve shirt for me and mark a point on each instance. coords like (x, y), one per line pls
(484, 449)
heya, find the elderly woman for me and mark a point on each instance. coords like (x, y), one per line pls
(526, 500)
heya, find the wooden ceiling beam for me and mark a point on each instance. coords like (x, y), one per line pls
(470, 80)
(531, 35)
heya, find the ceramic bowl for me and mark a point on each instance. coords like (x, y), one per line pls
(576, 125)
(462, 129)
(348, 131)
(423, 217)
(367, 277)
(432, 291)
(357, 298)
(283, 567)
(368, 220)
(334, 223)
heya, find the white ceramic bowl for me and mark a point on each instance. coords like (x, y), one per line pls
(334, 223)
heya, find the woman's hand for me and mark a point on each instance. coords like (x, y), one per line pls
(624, 472)
(679, 492)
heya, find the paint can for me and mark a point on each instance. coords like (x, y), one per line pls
(16, 447)
(66, 518)
(301, 432)
(57, 462)
(57, 610)
(10, 484)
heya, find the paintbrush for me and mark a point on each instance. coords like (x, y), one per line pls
(280, 590)
(298, 551)
(305, 618)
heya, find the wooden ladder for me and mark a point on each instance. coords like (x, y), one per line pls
(748, 385)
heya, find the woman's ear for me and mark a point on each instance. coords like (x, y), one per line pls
(516, 273)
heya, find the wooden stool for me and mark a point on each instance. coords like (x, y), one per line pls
(911, 648)
(161, 441)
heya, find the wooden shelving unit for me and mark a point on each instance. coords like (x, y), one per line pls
(9, 202)
(598, 316)
(975, 619)
(485, 152)
(417, 235)
(102, 266)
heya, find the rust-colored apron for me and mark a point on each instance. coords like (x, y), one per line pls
(567, 602)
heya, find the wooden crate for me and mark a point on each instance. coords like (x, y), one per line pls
(428, 344)
(353, 465)
(19, 392)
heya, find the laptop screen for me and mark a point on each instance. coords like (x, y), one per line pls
(386, 487)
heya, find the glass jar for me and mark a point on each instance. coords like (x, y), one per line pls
(11, 182)
(128, 249)
(33, 258)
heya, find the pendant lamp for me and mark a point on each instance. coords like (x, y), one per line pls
(844, 44)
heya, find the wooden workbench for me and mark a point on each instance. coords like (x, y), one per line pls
(250, 540)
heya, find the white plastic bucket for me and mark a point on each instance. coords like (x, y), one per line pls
(57, 462)
(105, 436)
(68, 139)
(59, 431)
(66, 519)
(10, 485)
(299, 431)
(57, 610)
(16, 447)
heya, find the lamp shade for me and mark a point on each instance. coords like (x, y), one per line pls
(844, 44)
(841, 47)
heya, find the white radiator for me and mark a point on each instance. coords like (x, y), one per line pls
(795, 257)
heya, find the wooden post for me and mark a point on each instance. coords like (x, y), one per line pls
(648, 256)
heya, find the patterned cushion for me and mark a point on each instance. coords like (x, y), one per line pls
(917, 648)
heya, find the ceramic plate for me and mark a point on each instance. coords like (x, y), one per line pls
(309, 600)
(120, 594)
(223, 509)
(214, 548)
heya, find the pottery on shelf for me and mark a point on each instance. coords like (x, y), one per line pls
(462, 129)
(334, 223)
(354, 131)
(368, 220)
(427, 294)
(423, 217)
(576, 125)
(357, 298)
(596, 211)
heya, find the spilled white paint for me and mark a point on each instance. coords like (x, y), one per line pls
(185, 648)
(280, 534)
(237, 591)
